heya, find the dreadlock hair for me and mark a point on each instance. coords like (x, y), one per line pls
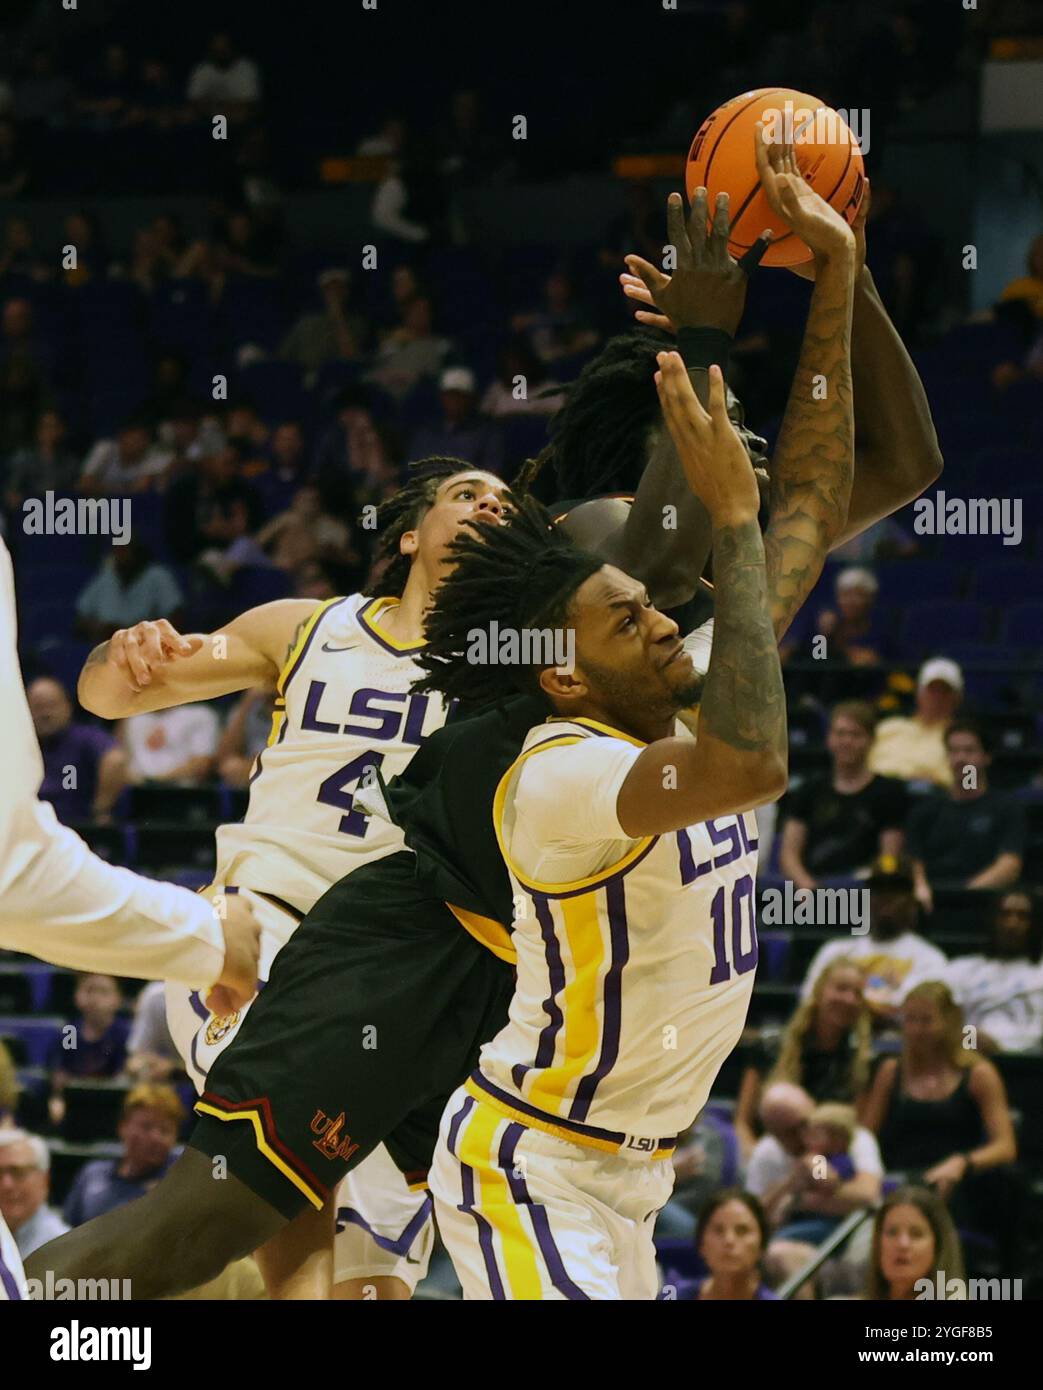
(402, 512)
(599, 436)
(521, 575)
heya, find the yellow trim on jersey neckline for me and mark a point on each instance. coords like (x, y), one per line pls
(255, 1119)
(575, 885)
(371, 612)
(489, 933)
(585, 1141)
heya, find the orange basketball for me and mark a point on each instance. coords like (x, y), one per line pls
(722, 159)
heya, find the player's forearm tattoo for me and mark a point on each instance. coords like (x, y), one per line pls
(743, 702)
(296, 638)
(813, 463)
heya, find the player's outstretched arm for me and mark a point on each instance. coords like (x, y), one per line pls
(740, 758)
(152, 666)
(813, 463)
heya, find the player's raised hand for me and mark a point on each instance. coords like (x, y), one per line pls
(806, 270)
(714, 459)
(237, 983)
(138, 652)
(708, 286)
(793, 199)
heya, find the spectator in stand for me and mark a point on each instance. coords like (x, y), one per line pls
(914, 1238)
(18, 255)
(836, 823)
(92, 258)
(170, 392)
(224, 82)
(84, 771)
(521, 386)
(826, 1049)
(940, 1110)
(132, 462)
(24, 379)
(854, 629)
(558, 328)
(913, 747)
(171, 745)
(43, 95)
(731, 1238)
(409, 204)
(25, 1181)
(335, 333)
(467, 150)
(791, 1181)
(108, 95)
(894, 958)
(151, 1053)
(410, 352)
(10, 1090)
(355, 462)
(313, 580)
(1026, 292)
(462, 433)
(246, 428)
(48, 466)
(14, 167)
(1001, 990)
(388, 142)
(245, 734)
(306, 532)
(969, 836)
(128, 588)
(157, 100)
(839, 1180)
(213, 507)
(148, 1130)
(93, 1047)
(287, 467)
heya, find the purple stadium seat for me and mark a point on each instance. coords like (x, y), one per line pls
(275, 389)
(36, 1036)
(1023, 627)
(181, 315)
(932, 625)
(926, 579)
(252, 585)
(1004, 581)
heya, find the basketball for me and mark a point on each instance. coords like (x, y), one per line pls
(721, 159)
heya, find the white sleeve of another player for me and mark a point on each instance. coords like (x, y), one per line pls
(60, 902)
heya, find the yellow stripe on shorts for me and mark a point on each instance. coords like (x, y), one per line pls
(477, 1149)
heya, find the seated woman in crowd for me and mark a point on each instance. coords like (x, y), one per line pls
(826, 1049)
(1001, 991)
(913, 1238)
(731, 1238)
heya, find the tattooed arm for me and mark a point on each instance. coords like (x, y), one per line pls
(152, 666)
(739, 760)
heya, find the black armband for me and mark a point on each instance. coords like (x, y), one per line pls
(702, 347)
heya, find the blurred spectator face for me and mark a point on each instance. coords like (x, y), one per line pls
(965, 750)
(222, 467)
(418, 317)
(404, 284)
(78, 229)
(243, 423)
(49, 706)
(824, 1139)
(937, 702)
(153, 73)
(457, 405)
(334, 286)
(23, 1188)
(312, 581)
(848, 743)
(50, 430)
(785, 1117)
(840, 1001)
(891, 912)
(855, 600)
(18, 319)
(306, 502)
(288, 443)
(97, 998)
(907, 1249)
(731, 1242)
(133, 442)
(239, 228)
(184, 430)
(1013, 926)
(129, 560)
(165, 230)
(148, 1135)
(222, 50)
(922, 1025)
(559, 292)
(116, 64)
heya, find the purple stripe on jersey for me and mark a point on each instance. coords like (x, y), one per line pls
(370, 631)
(591, 1131)
(485, 1235)
(303, 653)
(556, 973)
(457, 1121)
(575, 892)
(403, 1243)
(10, 1283)
(612, 998)
(559, 1275)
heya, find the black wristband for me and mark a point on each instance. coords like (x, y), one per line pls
(702, 347)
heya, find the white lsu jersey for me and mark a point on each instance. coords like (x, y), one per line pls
(343, 704)
(633, 982)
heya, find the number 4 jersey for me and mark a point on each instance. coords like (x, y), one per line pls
(343, 705)
(636, 958)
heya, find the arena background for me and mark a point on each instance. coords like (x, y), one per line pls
(196, 258)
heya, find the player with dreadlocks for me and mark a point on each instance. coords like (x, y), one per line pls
(341, 672)
(380, 1000)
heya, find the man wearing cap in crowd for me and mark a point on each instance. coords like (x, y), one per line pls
(463, 433)
(913, 746)
(894, 958)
